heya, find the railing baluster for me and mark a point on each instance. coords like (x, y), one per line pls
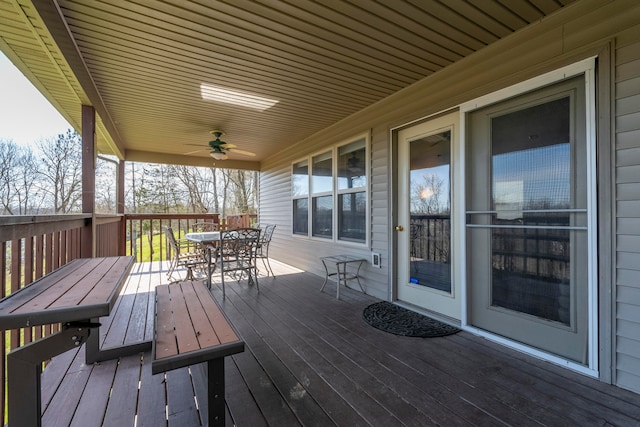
(3, 293)
(16, 267)
(48, 262)
(39, 254)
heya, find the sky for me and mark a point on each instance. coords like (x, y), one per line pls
(25, 115)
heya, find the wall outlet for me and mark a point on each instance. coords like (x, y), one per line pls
(376, 260)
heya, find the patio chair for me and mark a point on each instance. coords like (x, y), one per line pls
(263, 246)
(182, 255)
(237, 254)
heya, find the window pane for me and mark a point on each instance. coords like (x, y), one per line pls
(322, 216)
(532, 176)
(532, 271)
(352, 166)
(531, 158)
(322, 180)
(300, 179)
(430, 211)
(352, 217)
(301, 216)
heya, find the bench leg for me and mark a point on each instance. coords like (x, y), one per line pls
(24, 366)
(215, 389)
(94, 354)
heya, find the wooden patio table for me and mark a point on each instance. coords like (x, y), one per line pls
(75, 295)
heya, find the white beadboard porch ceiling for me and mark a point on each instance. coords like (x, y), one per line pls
(141, 63)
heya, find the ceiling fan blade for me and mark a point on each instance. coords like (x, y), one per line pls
(202, 150)
(242, 152)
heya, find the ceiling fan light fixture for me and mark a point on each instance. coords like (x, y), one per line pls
(219, 156)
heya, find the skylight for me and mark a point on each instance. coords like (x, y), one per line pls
(228, 96)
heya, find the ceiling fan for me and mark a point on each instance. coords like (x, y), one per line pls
(220, 149)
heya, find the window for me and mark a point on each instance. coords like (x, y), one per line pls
(300, 194)
(329, 192)
(352, 196)
(322, 196)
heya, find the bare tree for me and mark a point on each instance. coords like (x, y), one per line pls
(52, 182)
(200, 189)
(225, 191)
(162, 188)
(62, 171)
(155, 188)
(18, 176)
(27, 194)
(214, 189)
(106, 170)
(427, 196)
(243, 194)
(8, 163)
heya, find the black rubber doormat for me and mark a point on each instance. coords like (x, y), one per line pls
(400, 321)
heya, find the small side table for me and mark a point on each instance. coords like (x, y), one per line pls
(341, 272)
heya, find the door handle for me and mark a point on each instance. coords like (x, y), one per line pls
(399, 228)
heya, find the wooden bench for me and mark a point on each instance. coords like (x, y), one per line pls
(190, 328)
(75, 295)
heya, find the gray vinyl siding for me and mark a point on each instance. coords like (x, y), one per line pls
(583, 30)
(627, 160)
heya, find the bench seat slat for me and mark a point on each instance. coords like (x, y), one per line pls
(101, 292)
(185, 330)
(190, 328)
(165, 340)
(73, 272)
(36, 289)
(223, 330)
(100, 282)
(204, 331)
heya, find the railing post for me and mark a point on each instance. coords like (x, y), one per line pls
(122, 239)
(88, 249)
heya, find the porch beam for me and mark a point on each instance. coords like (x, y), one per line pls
(51, 15)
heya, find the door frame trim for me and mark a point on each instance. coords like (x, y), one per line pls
(586, 68)
(393, 196)
(456, 175)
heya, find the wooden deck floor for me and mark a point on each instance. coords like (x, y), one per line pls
(311, 360)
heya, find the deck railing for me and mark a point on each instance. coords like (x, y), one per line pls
(32, 246)
(145, 233)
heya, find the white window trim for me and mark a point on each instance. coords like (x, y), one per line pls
(335, 193)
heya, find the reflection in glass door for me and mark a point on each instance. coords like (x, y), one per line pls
(430, 211)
